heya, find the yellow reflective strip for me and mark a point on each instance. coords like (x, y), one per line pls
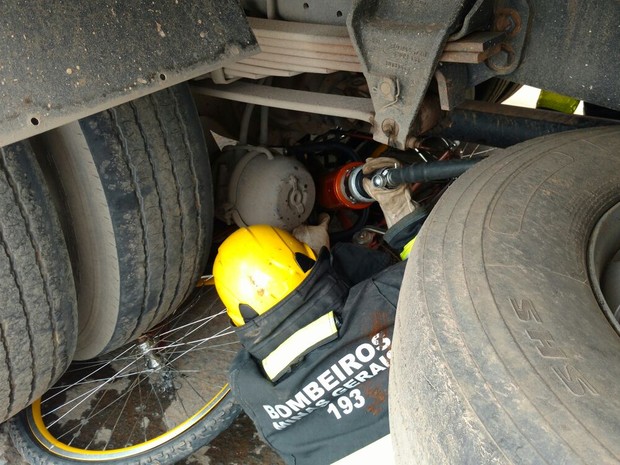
(404, 255)
(298, 343)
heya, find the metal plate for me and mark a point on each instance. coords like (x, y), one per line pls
(399, 44)
(572, 48)
(304, 11)
(63, 60)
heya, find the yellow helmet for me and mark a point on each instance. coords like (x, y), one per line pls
(256, 267)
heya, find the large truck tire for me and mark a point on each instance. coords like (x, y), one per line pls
(506, 350)
(38, 312)
(136, 186)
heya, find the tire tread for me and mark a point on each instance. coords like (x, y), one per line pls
(151, 162)
(38, 317)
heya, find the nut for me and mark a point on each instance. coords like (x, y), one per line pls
(508, 20)
(389, 127)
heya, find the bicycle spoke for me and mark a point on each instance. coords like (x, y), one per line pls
(86, 395)
(93, 415)
(146, 388)
(96, 371)
(118, 418)
(205, 319)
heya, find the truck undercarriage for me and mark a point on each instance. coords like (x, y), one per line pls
(507, 341)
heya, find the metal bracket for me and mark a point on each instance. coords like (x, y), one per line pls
(478, 18)
(505, 47)
(452, 84)
(399, 44)
(510, 17)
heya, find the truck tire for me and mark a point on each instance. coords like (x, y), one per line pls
(505, 349)
(38, 315)
(136, 185)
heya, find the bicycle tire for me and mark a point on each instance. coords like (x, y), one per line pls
(112, 420)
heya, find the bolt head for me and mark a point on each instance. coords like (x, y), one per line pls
(389, 127)
(386, 87)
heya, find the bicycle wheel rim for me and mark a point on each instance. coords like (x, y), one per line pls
(45, 427)
(47, 440)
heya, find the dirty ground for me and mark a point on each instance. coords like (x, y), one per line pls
(205, 370)
(239, 445)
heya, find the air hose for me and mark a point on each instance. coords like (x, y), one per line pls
(389, 178)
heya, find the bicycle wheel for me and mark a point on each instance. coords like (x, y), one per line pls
(158, 399)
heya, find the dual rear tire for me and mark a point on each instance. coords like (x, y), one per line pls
(38, 315)
(133, 188)
(135, 191)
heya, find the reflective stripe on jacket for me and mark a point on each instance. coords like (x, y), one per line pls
(330, 395)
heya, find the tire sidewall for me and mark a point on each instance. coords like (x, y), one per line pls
(501, 347)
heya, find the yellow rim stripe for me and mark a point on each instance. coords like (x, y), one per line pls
(49, 442)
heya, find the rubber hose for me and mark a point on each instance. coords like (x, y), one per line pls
(362, 219)
(424, 172)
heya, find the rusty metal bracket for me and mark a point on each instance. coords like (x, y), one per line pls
(500, 54)
(500, 42)
(399, 43)
(510, 17)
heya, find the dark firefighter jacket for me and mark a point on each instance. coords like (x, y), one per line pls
(327, 348)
